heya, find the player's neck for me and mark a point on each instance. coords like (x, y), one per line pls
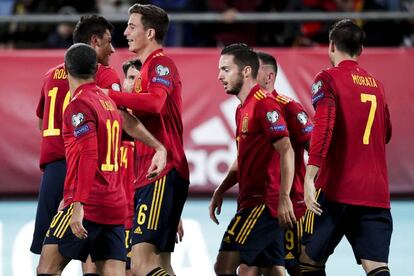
(75, 83)
(339, 57)
(245, 90)
(144, 54)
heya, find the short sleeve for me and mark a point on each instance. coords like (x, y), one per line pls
(271, 119)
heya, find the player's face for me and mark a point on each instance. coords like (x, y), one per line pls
(128, 84)
(104, 48)
(135, 33)
(230, 75)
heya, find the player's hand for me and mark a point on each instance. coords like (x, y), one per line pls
(309, 196)
(61, 205)
(215, 205)
(76, 221)
(285, 212)
(159, 160)
(180, 232)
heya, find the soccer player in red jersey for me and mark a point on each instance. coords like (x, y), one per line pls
(254, 235)
(54, 97)
(347, 157)
(94, 210)
(300, 128)
(131, 71)
(156, 100)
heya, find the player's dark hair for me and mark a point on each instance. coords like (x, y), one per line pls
(136, 63)
(347, 37)
(243, 56)
(90, 25)
(268, 60)
(80, 61)
(152, 17)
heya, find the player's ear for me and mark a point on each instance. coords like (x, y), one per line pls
(94, 41)
(150, 33)
(247, 70)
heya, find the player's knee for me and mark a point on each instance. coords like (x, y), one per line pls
(312, 270)
(380, 271)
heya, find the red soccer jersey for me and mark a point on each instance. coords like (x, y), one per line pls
(159, 80)
(352, 126)
(259, 124)
(54, 98)
(92, 134)
(300, 128)
(126, 164)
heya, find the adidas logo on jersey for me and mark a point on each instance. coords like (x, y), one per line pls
(289, 256)
(226, 239)
(138, 230)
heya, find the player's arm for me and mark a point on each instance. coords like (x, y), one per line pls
(159, 84)
(388, 124)
(80, 120)
(137, 130)
(287, 170)
(217, 199)
(141, 102)
(323, 99)
(40, 124)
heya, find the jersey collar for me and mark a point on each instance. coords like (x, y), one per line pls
(348, 63)
(85, 86)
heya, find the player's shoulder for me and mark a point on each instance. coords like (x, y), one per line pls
(264, 99)
(162, 63)
(105, 69)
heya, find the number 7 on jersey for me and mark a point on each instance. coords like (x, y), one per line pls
(373, 99)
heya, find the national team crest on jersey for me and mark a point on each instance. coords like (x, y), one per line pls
(272, 116)
(302, 118)
(316, 87)
(115, 87)
(162, 70)
(77, 119)
(137, 85)
(245, 124)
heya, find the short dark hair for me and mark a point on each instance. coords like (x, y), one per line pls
(136, 63)
(268, 60)
(347, 36)
(80, 61)
(90, 25)
(243, 56)
(152, 17)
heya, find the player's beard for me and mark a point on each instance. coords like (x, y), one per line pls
(237, 86)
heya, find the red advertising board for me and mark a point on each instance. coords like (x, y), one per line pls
(208, 112)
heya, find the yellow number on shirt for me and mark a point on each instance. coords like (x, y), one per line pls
(231, 231)
(124, 159)
(112, 129)
(51, 130)
(141, 214)
(289, 239)
(373, 99)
